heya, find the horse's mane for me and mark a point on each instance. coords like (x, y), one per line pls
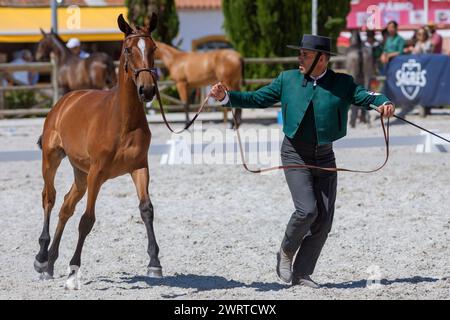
(58, 38)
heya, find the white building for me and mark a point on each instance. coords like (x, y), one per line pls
(198, 18)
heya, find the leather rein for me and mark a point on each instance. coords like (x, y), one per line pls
(137, 71)
(263, 170)
(303, 166)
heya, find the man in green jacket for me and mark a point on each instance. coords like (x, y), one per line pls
(315, 102)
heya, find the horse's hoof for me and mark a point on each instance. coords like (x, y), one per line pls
(45, 276)
(40, 266)
(72, 284)
(154, 272)
(73, 281)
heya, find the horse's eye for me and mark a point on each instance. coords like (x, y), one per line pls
(127, 50)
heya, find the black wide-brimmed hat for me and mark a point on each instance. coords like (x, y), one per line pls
(315, 43)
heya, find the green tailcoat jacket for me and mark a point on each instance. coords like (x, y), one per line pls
(331, 98)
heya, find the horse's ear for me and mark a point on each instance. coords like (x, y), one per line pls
(123, 25)
(153, 22)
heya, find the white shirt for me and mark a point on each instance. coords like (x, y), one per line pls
(318, 77)
(225, 100)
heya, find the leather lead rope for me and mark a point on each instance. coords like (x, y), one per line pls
(163, 114)
(262, 170)
(386, 140)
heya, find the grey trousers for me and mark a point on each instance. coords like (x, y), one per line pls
(314, 193)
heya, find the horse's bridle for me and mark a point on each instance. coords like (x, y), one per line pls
(153, 71)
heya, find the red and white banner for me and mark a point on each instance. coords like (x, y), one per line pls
(409, 14)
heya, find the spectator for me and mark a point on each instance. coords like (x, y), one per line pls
(393, 47)
(74, 45)
(394, 43)
(373, 45)
(436, 39)
(24, 77)
(423, 44)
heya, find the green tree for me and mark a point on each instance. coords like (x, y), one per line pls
(263, 28)
(332, 18)
(140, 11)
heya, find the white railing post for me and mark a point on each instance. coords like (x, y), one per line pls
(55, 81)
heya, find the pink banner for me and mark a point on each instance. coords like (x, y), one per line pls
(409, 14)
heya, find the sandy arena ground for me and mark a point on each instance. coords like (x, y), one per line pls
(219, 227)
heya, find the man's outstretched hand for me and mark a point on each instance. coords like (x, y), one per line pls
(218, 91)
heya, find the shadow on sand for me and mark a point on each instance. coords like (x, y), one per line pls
(189, 281)
(384, 282)
(207, 283)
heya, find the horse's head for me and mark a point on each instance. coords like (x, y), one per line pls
(45, 46)
(138, 56)
(52, 43)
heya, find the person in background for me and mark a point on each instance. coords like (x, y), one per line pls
(423, 44)
(394, 43)
(373, 45)
(24, 77)
(74, 45)
(436, 39)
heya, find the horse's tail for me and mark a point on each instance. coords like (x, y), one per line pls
(39, 142)
(242, 70)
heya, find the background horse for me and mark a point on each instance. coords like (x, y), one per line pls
(360, 65)
(95, 72)
(198, 69)
(105, 134)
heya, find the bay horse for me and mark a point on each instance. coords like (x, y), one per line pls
(198, 69)
(104, 134)
(360, 66)
(95, 72)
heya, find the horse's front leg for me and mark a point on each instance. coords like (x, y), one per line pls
(141, 180)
